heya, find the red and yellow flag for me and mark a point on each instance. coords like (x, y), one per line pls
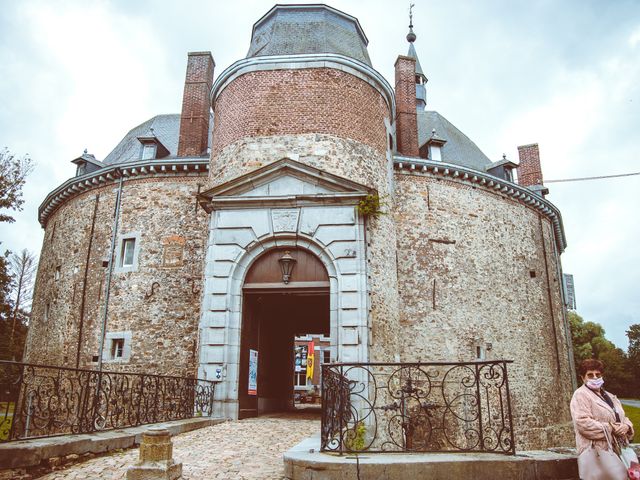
(311, 355)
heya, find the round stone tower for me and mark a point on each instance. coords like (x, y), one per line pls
(303, 108)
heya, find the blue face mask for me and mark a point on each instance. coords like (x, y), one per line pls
(595, 383)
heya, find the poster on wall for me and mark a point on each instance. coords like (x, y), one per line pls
(253, 372)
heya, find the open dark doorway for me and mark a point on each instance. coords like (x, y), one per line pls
(274, 314)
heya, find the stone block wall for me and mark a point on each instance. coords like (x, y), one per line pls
(171, 235)
(354, 161)
(472, 273)
(350, 159)
(287, 102)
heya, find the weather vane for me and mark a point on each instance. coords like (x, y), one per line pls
(411, 5)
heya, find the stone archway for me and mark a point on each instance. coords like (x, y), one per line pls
(273, 314)
(285, 204)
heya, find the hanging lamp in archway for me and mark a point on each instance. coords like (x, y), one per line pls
(287, 262)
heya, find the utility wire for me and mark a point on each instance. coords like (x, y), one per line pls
(592, 178)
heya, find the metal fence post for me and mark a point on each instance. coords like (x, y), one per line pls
(512, 450)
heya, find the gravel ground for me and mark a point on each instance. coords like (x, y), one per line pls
(248, 449)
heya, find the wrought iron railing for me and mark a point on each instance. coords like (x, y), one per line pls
(43, 400)
(416, 407)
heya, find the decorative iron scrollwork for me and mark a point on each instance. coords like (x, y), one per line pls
(42, 401)
(420, 407)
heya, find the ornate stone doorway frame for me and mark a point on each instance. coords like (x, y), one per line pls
(284, 204)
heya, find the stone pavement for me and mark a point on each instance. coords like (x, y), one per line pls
(248, 449)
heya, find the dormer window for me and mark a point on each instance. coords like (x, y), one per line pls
(432, 148)
(86, 163)
(149, 151)
(503, 169)
(508, 175)
(151, 148)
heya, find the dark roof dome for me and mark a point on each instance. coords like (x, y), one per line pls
(458, 149)
(299, 29)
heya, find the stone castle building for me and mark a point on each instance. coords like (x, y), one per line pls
(167, 256)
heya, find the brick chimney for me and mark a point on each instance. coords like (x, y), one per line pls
(406, 114)
(529, 170)
(194, 120)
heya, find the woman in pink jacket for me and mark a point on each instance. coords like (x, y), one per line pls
(598, 420)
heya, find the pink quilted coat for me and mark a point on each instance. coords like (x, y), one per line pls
(590, 413)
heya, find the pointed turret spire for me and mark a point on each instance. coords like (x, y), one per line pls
(421, 78)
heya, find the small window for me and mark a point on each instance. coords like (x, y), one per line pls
(326, 356)
(117, 348)
(127, 252)
(507, 175)
(300, 379)
(57, 273)
(148, 151)
(46, 313)
(480, 355)
(128, 248)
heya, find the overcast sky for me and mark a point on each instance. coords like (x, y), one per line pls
(80, 74)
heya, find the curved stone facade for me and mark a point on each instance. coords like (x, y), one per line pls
(354, 161)
(160, 329)
(479, 270)
(462, 264)
(292, 101)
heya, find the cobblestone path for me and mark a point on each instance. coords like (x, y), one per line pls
(248, 449)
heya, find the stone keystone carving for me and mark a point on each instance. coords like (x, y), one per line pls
(285, 220)
(156, 462)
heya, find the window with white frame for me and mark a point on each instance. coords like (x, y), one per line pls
(300, 379)
(326, 356)
(149, 151)
(117, 347)
(128, 248)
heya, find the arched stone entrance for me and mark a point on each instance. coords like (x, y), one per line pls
(273, 314)
(282, 205)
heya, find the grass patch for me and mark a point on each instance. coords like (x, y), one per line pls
(633, 414)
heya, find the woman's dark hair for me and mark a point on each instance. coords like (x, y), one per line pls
(591, 364)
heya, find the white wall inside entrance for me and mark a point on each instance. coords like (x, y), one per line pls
(237, 237)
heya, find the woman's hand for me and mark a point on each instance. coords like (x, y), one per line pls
(620, 429)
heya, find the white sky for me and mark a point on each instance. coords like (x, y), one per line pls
(80, 74)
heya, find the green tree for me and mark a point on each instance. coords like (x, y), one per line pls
(589, 342)
(633, 334)
(13, 174)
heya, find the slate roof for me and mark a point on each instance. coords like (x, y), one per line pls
(298, 29)
(459, 149)
(165, 127)
(412, 53)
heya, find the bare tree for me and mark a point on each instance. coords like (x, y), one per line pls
(22, 267)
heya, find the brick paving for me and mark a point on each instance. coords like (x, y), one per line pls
(248, 449)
